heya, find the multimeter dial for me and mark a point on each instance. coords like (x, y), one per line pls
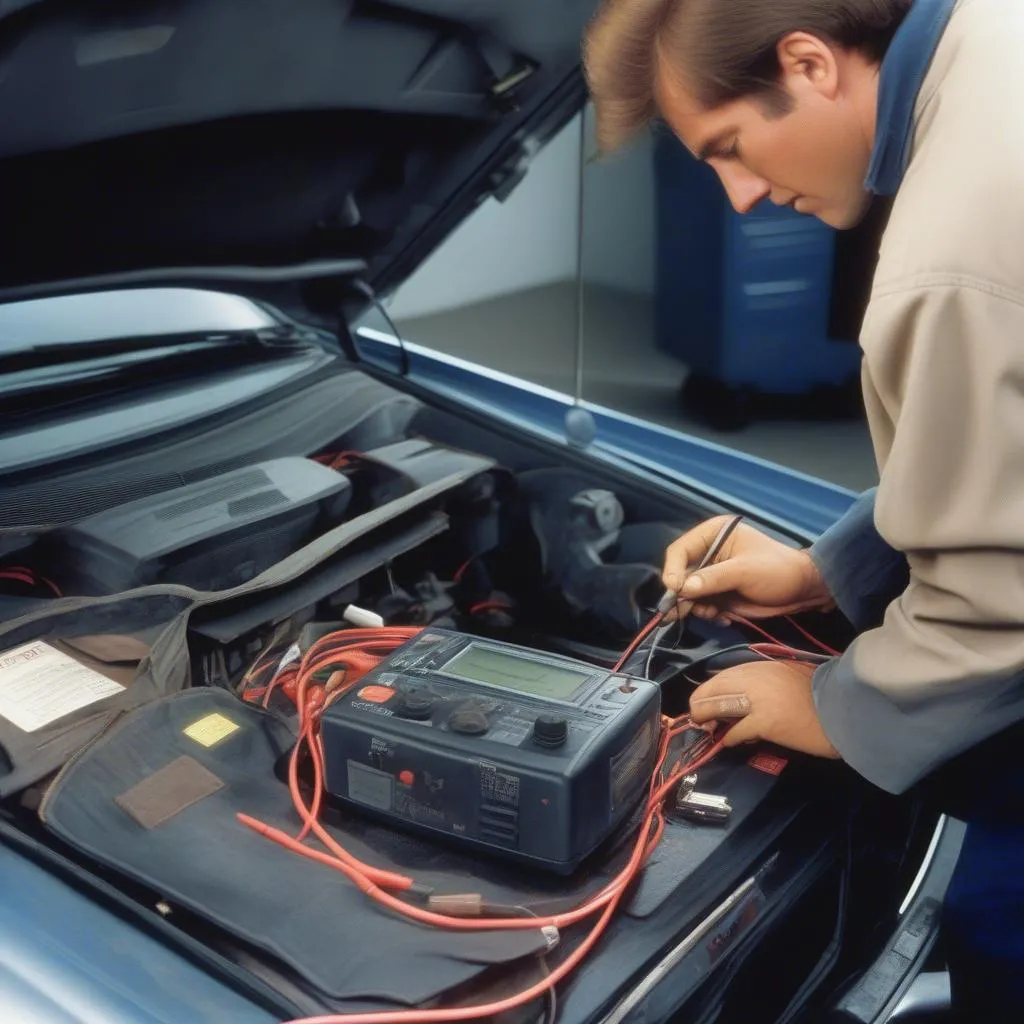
(415, 703)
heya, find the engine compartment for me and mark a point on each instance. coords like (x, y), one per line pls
(453, 526)
(575, 555)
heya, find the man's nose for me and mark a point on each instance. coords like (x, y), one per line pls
(744, 189)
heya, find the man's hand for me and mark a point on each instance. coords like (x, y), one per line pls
(753, 575)
(771, 701)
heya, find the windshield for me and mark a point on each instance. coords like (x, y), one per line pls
(81, 372)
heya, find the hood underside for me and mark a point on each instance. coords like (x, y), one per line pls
(268, 144)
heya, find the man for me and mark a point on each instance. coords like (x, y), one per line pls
(819, 104)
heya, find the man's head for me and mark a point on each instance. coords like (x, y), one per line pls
(778, 96)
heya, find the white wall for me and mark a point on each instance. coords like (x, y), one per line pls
(530, 240)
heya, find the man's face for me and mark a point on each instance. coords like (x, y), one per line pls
(814, 157)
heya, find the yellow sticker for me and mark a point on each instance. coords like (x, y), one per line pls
(211, 729)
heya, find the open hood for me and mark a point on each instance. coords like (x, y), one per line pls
(276, 148)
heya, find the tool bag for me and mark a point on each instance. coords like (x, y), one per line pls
(156, 800)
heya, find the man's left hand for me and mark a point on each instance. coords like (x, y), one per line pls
(769, 701)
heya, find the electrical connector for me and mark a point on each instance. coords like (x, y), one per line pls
(459, 904)
(362, 617)
(707, 808)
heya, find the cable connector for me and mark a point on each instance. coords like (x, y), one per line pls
(459, 904)
(706, 808)
(420, 891)
(552, 935)
(668, 601)
(362, 617)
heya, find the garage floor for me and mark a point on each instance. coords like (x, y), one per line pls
(531, 334)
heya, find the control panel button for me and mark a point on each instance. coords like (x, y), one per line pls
(376, 694)
(469, 721)
(406, 777)
(415, 703)
(550, 731)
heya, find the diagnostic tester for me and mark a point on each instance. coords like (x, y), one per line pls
(512, 751)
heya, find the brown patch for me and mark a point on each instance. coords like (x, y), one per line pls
(168, 792)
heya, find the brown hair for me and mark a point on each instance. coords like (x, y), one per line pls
(726, 48)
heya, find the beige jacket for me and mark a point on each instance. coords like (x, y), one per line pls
(943, 376)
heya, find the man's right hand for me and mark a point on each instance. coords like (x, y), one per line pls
(752, 576)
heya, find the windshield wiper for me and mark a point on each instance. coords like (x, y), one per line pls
(48, 389)
(70, 355)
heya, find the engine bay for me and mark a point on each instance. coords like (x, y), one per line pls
(235, 616)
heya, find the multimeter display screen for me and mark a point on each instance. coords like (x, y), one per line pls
(523, 675)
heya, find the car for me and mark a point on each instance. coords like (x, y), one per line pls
(214, 472)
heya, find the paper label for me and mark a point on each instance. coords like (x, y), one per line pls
(289, 657)
(39, 684)
(211, 729)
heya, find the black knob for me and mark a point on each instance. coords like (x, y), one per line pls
(469, 722)
(550, 731)
(415, 704)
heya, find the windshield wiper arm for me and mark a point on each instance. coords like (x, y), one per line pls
(266, 340)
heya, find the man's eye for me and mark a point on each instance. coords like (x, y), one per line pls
(732, 152)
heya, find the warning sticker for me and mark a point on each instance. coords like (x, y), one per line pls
(211, 729)
(39, 684)
(772, 764)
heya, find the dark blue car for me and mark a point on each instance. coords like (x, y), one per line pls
(211, 467)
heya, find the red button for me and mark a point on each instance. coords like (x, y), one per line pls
(377, 694)
(406, 778)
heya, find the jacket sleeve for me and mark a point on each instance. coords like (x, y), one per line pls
(861, 571)
(944, 390)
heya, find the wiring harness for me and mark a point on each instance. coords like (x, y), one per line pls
(29, 578)
(335, 663)
(332, 666)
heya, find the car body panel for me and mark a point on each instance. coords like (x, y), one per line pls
(790, 499)
(365, 134)
(68, 959)
(64, 959)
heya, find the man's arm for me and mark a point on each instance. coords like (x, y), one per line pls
(943, 670)
(862, 572)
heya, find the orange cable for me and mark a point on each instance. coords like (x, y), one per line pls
(372, 881)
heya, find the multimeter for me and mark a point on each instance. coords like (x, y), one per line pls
(514, 752)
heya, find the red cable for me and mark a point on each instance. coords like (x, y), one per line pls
(611, 895)
(638, 640)
(779, 643)
(814, 640)
(53, 586)
(341, 863)
(383, 878)
(487, 606)
(499, 1006)
(22, 574)
(336, 460)
(10, 574)
(758, 629)
(355, 668)
(362, 643)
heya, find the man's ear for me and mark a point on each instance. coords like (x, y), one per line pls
(808, 62)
